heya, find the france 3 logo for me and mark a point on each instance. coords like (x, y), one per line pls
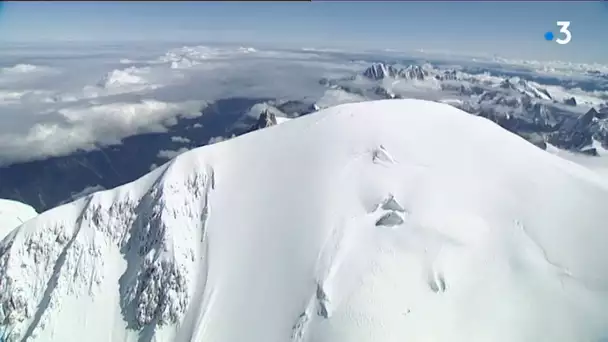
(564, 29)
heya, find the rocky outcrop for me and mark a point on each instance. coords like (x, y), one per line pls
(380, 71)
(383, 93)
(448, 75)
(571, 101)
(413, 72)
(577, 134)
(266, 119)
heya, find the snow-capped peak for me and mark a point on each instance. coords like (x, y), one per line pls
(378, 71)
(526, 88)
(266, 119)
(388, 220)
(118, 78)
(414, 72)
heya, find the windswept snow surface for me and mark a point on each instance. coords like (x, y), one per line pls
(12, 215)
(598, 163)
(396, 220)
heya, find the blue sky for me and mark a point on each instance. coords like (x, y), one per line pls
(510, 29)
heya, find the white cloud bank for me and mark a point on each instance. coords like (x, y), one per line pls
(179, 139)
(168, 154)
(86, 127)
(55, 101)
(84, 101)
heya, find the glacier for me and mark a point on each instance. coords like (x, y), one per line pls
(389, 220)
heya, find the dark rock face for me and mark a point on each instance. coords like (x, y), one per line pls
(544, 91)
(266, 119)
(577, 134)
(383, 93)
(448, 75)
(294, 109)
(506, 84)
(324, 81)
(571, 101)
(463, 89)
(525, 88)
(603, 113)
(590, 152)
(581, 123)
(413, 72)
(526, 118)
(542, 117)
(380, 71)
(575, 141)
(541, 123)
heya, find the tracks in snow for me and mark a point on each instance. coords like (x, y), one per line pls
(335, 278)
(348, 253)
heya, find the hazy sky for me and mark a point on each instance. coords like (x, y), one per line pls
(510, 29)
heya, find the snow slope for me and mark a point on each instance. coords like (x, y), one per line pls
(598, 163)
(398, 220)
(12, 214)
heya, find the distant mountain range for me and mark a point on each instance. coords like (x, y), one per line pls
(378, 71)
(518, 105)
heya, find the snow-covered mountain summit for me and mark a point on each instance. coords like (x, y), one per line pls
(379, 221)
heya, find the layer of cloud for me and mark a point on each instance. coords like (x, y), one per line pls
(215, 140)
(168, 154)
(58, 99)
(178, 139)
(82, 99)
(23, 69)
(87, 127)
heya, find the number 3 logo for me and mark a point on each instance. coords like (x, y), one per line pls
(564, 29)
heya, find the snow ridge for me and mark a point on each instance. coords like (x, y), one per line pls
(65, 261)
